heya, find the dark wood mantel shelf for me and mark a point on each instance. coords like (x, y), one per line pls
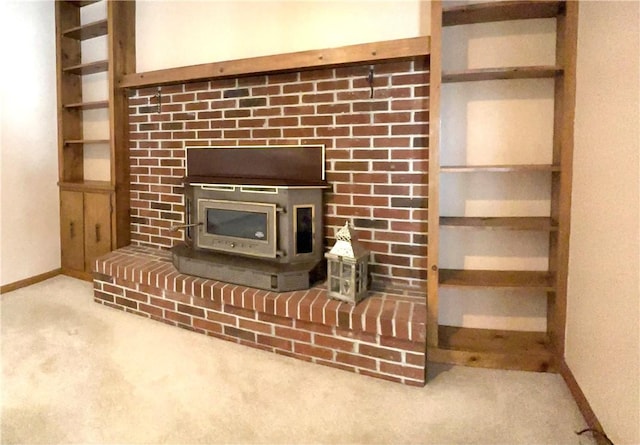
(367, 52)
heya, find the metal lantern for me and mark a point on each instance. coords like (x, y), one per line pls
(347, 263)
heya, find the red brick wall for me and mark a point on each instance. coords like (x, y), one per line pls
(376, 149)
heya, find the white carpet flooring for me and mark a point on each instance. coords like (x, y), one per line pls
(74, 371)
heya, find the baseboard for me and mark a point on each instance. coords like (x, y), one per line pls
(29, 281)
(583, 404)
(79, 274)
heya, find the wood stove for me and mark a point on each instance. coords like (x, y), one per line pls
(253, 216)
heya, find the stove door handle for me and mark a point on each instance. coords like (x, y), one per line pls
(184, 226)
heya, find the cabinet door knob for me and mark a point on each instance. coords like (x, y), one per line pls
(97, 233)
(72, 230)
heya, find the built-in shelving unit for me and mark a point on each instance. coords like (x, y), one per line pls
(534, 351)
(94, 214)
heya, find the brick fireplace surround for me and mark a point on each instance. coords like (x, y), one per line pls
(376, 162)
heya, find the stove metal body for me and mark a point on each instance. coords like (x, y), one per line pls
(259, 231)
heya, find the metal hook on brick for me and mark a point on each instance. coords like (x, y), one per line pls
(159, 100)
(370, 80)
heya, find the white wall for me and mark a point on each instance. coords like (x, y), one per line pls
(30, 223)
(603, 316)
(174, 33)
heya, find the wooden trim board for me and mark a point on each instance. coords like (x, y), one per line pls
(29, 281)
(563, 139)
(582, 402)
(435, 72)
(367, 52)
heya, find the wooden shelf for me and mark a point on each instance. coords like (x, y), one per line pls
(88, 68)
(81, 3)
(501, 11)
(496, 279)
(491, 348)
(367, 52)
(87, 186)
(544, 224)
(500, 168)
(88, 31)
(515, 72)
(86, 141)
(89, 105)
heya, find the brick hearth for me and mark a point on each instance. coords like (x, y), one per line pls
(384, 336)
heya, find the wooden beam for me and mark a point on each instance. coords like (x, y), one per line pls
(366, 52)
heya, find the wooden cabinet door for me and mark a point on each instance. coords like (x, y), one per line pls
(97, 227)
(72, 230)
